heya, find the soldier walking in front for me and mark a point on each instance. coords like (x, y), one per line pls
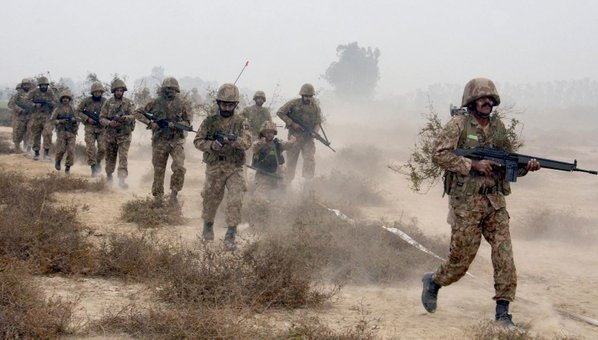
(67, 126)
(117, 115)
(88, 110)
(167, 140)
(223, 138)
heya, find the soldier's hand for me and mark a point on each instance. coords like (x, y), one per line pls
(91, 121)
(533, 165)
(62, 121)
(113, 123)
(296, 126)
(171, 126)
(292, 139)
(154, 126)
(484, 166)
(216, 146)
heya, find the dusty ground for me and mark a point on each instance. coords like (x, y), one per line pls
(554, 272)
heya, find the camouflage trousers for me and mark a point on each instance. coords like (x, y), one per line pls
(471, 222)
(219, 177)
(117, 145)
(95, 135)
(265, 184)
(306, 146)
(19, 132)
(41, 127)
(65, 143)
(161, 149)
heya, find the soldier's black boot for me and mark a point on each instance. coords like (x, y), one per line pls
(57, 164)
(36, 156)
(93, 171)
(173, 197)
(429, 293)
(46, 154)
(109, 178)
(208, 231)
(229, 238)
(503, 318)
(67, 169)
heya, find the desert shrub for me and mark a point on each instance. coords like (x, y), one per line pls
(24, 312)
(152, 212)
(54, 182)
(313, 328)
(490, 330)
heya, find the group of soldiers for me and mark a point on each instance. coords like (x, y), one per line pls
(476, 188)
(226, 138)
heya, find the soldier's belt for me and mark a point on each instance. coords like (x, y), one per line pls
(488, 190)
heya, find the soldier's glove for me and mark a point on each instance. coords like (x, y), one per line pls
(216, 145)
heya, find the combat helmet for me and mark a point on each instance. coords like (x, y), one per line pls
(18, 86)
(228, 93)
(117, 83)
(97, 86)
(307, 90)
(268, 126)
(259, 94)
(478, 88)
(171, 82)
(42, 81)
(66, 93)
(29, 81)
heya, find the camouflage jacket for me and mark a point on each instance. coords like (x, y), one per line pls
(175, 110)
(256, 116)
(65, 111)
(310, 114)
(267, 156)
(463, 131)
(47, 100)
(89, 105)
(231, 153)
(124, 110)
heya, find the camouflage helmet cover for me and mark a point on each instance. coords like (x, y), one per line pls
(478, 88)
(27, 81)
(18, 86)
(171, 82)
(259, 94)
(42, 81)
(117, 83)
(307, 90)
(268, 126)
(228, 93)
(66, 93)
(97, 86)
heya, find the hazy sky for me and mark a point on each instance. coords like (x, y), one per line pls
(292, 42)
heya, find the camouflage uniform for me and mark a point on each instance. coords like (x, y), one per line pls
(41, 125)
(22, 112)
(311, 115)
(224, 167)
(256, 115)
(477, 204)
(94, 132)
(118, 138)
(167, 141)
(268, 159)
(66, 133)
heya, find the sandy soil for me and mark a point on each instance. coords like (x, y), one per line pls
(554, 273)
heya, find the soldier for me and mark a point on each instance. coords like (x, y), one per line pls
(268, 159)
(223, 138)
(308, 111)
(117, 115)
(43, 101)
(22, 111)
(94, 130)
(67, 125)
(476, 198)
(167, 140)
(256, 114)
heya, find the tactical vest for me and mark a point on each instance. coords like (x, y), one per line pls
(256, 116)
(65, 112)
(161, 109)
(232, 155)
(456, 184)
(269, 157)
(115, 108)
(307, 113)
(89, 105)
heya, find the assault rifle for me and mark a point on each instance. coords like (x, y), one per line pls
(93, 116)
(309, 130)
(455, 110)
(41, 101)
(163, 123)
(219, 136)
(512, 162)
(264, 172)
(70, 120)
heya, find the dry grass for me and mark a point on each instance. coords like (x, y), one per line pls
(6, 147)
(151, 212)
(24, 312)
(489, 330)
(54, 182)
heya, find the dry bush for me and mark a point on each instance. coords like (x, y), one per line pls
(557, 225)
(152, 212)
(347, 188)
(312, 328)
(5, 147)
(54, 182)
(24, 312)
(487, 330)
(49, 238)
(179, 323)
